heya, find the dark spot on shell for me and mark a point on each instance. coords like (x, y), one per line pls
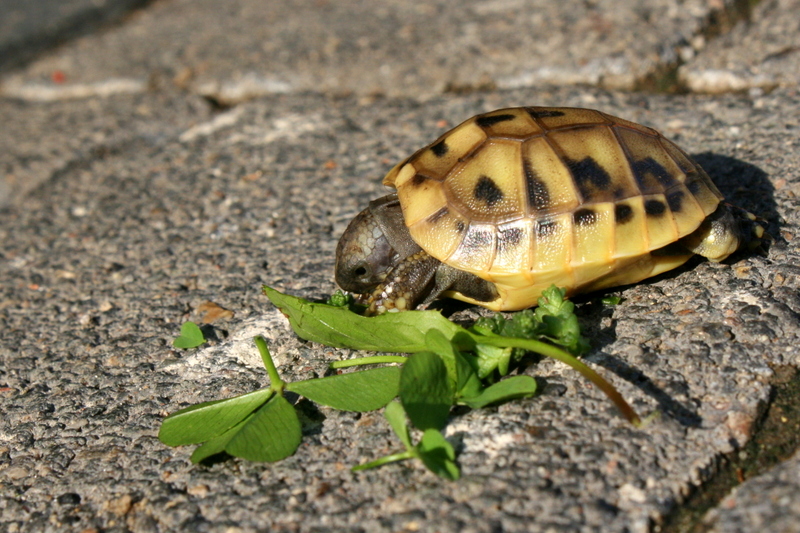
(652, 176)
(675, 201)
(418, 180)
(460, 226)
(544, 113)
(592, 179)
(545, 228)
(623, 213)
(509, 237)
(475, 240)
(654, 208)
(694, 186)
(437, 216)
(538, 196)
(440, 148)
(487, 191)
(584, 217)
(485, 122)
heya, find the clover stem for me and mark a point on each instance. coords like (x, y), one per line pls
(549, 350)
(276, 383)
(374, 360)
(385, 460)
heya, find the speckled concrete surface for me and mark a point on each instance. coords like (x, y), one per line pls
(761, 54)
(28, 28)
(110, 259)
(245, 48)
(172, 204)
(43, 140)
(764, 503)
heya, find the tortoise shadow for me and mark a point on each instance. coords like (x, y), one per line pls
(744, 185)
(591, 311)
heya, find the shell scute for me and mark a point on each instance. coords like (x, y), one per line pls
(661, 227)
(599, 166)
(549, 185)
(696, 179)
(553, 118)
(477, 249)
(552, 248)
(508, 123)
(438, 159)
(653, 169)
(513, 250)
(529, 196)
(487, 188)
(593, 232)
(630, 236)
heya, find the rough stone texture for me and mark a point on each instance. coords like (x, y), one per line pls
(759, 54)
(103, 264)
(30, 27)
(132, 210)
(40, 141)
(239, 49)
(765, 503)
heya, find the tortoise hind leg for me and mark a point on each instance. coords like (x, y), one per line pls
(724, 231)
(461, 285)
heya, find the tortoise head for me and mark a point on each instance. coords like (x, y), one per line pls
(364, 255)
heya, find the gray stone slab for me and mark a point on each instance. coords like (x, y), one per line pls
(39, 141)
(28, 27)
(103, 263)
(245, 48)
(766, 503)
(761, 54)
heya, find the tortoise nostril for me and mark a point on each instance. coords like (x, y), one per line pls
(360, 271)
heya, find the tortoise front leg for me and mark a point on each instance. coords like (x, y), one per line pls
(419, 279)
(405, 286)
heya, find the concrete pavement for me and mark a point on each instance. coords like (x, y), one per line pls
(199, 149)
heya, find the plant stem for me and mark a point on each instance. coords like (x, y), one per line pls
(374, 360)
(385, 460)
(276, 383)
(559, 354)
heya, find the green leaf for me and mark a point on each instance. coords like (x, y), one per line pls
(396, 416)
(190, 337)
(503, 391)
(552, 302)
(426, 390)
(207, 420)
(491, 358)
(469, 384)
(611, 300)
(217, 445)
(339, 327)
(339, 299)
(443, 347)
(271, 434)
(438, 455)
(366, 390)
(560, 323)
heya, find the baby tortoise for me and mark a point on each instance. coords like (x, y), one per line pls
(509, 202)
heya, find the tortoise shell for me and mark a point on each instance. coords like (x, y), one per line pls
(531, 196)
